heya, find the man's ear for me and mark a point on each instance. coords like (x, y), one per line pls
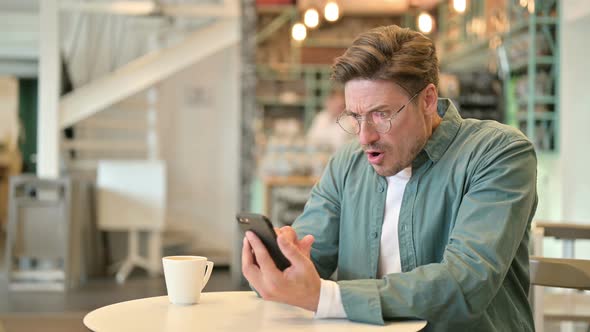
(430, 99)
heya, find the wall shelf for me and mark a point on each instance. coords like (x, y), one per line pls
(278, 102)
(538, 100)
(539, 116)
(287, 87)
(522, 43)
(532, 48)
(521, 65)
(524, 25)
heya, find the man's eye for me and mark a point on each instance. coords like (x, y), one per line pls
(381, 115)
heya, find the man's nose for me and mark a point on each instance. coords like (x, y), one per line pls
(367, 133)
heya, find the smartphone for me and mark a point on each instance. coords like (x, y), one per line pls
(262, 227)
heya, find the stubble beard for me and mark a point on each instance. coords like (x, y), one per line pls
(403, 162)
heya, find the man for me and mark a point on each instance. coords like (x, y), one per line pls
(427, 216)
(324, 132)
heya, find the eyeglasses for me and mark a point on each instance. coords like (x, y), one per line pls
(380, 120)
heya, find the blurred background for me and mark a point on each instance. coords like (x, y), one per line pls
(130, 130)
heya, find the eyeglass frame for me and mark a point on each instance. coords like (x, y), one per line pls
(364, 117)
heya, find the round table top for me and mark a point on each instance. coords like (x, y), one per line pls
(222, 311)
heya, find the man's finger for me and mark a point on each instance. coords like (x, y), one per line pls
(247, 257)
(306, 243)
(249, 269)
(290, 233)
(293, 254)
(265, 262)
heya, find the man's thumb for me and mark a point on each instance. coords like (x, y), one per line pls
(306, 243)
(293, 254)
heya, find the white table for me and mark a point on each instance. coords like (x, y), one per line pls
(223, 311)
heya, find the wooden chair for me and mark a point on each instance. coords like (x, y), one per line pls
(573, 306)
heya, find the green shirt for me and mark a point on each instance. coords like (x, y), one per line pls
(463, 230)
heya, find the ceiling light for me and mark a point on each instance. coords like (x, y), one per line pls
(331, 11)
(460, 5)
(299, 32)
(311, 18)
(425, 22)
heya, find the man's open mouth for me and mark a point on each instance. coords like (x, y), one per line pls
(374, 156)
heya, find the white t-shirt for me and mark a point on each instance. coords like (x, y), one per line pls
(330, 305)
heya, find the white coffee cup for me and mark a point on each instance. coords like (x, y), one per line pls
(186, 276)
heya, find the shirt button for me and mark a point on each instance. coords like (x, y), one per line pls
(404, 228)
(381, 189)
(374, 235)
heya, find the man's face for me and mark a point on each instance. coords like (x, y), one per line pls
(395, 150)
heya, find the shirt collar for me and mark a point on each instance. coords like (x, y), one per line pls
(443, 135)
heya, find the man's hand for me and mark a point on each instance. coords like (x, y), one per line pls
(298, 285)
(304, 244)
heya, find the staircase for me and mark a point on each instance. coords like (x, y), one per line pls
(113, 106)
(126, 130)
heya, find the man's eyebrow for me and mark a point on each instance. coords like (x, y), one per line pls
(376, 108)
